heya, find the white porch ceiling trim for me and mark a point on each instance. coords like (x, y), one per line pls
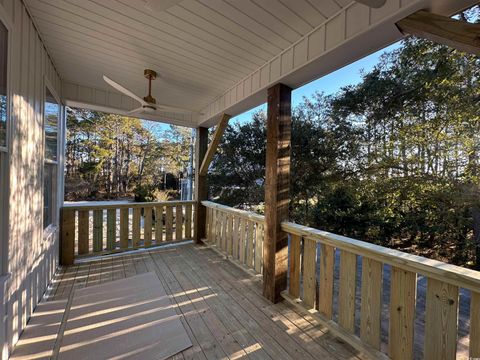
(354, 32)
(82, 96)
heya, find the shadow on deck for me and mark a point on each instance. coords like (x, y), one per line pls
(223, 310)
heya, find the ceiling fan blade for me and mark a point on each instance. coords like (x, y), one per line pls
(135, 111)
(372, 3)
(123, 90)
(174, 109)
(161, 5)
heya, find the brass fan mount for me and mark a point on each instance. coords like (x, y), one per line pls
(150, 75)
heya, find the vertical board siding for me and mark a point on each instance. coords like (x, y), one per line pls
(32, 256)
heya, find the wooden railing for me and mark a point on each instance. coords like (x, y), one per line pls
(440, 299)
(237, 233)
(385, 303)
(106, 228)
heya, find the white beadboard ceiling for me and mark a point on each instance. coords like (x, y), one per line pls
(212, 55)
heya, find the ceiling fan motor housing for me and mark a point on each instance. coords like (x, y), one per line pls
(150, 99)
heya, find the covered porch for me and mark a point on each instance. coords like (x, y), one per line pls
(344, 298)
(242, 284)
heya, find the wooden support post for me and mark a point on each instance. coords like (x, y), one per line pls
(277, 191)
(201, 189)
(67, 241)
(217, 136)
(457, 34)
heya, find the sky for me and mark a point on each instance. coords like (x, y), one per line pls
(329, 84)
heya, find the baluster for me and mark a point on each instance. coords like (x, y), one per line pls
(475, 325)
(327, 263)
(371, 309)
(403, 285)
(241, 240)
(124, 230)
(178, 223)
(188, 221)
(258, 247)
(169, 223)
(309, 273)
(250, 248)
(346, 293)
(147, 226)
(83, 233)
(441, 320)
(137, 215)
(158, 224)
(230, 234)
(294, 286)
(111, 228)
(97, 230)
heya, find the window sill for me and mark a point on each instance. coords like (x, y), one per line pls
(49, 231)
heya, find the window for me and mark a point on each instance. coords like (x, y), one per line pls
(51, 121)
(4, 183)
(3, 84)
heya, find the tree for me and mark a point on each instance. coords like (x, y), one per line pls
(393, 159)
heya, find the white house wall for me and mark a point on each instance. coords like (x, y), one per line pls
(32, 256)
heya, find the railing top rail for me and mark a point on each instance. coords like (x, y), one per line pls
(452, 274)
(448, 273)
(106, 205)
(241, 213)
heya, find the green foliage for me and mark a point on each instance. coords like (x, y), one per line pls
(110, 156)
(393, 160)
(145, 193)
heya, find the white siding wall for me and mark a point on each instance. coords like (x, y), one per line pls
(32, 257)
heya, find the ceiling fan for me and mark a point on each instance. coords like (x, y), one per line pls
(149, 103)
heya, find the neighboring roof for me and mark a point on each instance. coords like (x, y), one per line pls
(213, 56)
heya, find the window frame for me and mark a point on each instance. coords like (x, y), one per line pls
(56, 201)
(5, 22)
(5, 154)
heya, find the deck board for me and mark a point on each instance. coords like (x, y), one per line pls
(223, 310)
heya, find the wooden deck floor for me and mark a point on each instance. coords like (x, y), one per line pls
(222, 306)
